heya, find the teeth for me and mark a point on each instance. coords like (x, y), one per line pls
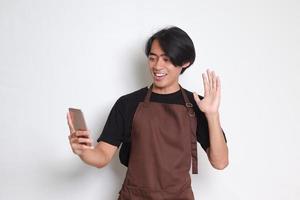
(159, 75)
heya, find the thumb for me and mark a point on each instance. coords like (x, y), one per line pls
(196, 97)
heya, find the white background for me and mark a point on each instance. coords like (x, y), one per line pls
(86, 54)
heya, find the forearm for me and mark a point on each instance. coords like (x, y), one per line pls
(218, 150)
(94, 157)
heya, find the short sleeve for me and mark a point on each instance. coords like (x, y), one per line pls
(113, 130)
(203, 132)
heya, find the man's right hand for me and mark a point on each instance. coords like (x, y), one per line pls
(82, 145)
(79, 140)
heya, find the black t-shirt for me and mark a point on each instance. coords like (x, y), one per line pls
(117, 129)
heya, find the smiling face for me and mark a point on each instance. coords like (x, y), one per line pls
(165, 75)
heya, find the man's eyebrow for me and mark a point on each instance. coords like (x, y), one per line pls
(153, 54)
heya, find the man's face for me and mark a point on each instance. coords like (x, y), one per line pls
(165, 74)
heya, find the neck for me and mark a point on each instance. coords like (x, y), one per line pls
(165, 90)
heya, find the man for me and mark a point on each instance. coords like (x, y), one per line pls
(159, 126)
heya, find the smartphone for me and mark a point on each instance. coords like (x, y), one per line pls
(77, 119)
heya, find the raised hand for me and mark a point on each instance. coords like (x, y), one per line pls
(212, 93)
(79, 140)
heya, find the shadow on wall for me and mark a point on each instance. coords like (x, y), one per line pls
(73, 175)
(61, 180)
(141, 78)
(140, 75)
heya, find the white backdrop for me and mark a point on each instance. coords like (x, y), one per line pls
(86, 54)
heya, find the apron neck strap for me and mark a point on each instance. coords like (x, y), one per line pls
(147, 98)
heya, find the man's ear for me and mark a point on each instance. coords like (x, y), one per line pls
(185, 64)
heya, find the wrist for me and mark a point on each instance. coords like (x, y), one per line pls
(213, 120)
(212, 115)
(84, 153)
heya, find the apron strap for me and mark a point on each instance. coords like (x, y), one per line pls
(187, 102)
(193, 121)
(147, 98)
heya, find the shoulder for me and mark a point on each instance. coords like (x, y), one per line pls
(191, 96)
(132, 98)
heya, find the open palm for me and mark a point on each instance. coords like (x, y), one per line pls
(212, 93)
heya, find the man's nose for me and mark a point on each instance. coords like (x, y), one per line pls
(159, 64)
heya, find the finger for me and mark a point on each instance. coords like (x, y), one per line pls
(81, 140)
(218, 85)
(214, 84)
(81, 147)
(86, 141)
(74, 140)
(209, 79)
(196, 97)
(70, 138)
(76, 146)
(86, 147)
(73, 134)
(82, 134)
(71, 127)
(206, 84)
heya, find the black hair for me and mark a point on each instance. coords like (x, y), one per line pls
(176, 44)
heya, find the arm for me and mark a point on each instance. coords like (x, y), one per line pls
(81, 144)
(218, 151)
(99, 156)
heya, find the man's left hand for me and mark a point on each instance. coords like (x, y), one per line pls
(212, 94)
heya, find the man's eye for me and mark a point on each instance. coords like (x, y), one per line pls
(151, 59)
(166, 59)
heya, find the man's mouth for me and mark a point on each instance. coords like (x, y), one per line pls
(159, 76)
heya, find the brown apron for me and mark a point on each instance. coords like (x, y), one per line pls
(163, 143)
